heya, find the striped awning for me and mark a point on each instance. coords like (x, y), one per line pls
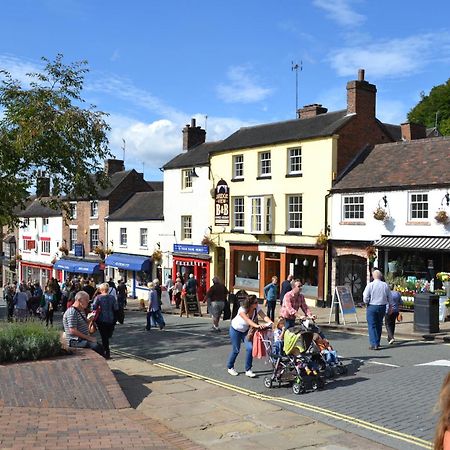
(414, 242)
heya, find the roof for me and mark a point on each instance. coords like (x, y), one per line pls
(114, 180)
(291, 130)
(394, 130)
(414, 242)
(156, 185)
(141, 206)
(196, 156)
(37, 209)
(422, 162)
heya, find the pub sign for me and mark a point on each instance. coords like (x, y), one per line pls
(222, 204)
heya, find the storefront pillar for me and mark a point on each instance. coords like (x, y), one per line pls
(133, 285)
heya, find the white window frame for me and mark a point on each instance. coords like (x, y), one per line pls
(186, 227)
(45, 222)
(238, 213)
(265, 164)
(73, 232)
(186, 179)
(294, 157)
(45, 247)
(423, 212)
(260, 214)
(143, 233)
(353, 207)
(123, 237)
(294, 216)
(92, 243)
(73, 209)
(93, 209)
(26, 224)
(238, 167)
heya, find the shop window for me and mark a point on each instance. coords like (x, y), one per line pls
(246, 270)
(418, 206)
(73, 237)
(186, 179)
(238, 213)
(45, 247)
(143, 237)
(294, 212)
(261, 214)
(186, 227)
(123, 237)
(94, 209)
(238, 167)
(45, 224)
(294, 161)
(305, 268)
(264, 164)
(353, 207)
(93, 238)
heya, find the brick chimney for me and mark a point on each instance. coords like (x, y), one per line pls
(113, 165)
(193, 135)
(42, 185)
(311, 111)
(411, 131)
(361, 96)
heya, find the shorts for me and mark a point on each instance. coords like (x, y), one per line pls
(216, 309)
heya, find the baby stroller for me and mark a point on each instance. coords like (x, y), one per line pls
(293, 365)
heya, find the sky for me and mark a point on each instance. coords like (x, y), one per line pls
(154, 65)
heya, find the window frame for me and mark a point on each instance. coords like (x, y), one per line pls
(92, 241)
(123, 236)
(290, 158)
(238, 167)
(425, 211)
(260, 214)
(47, 245)
(186, 229)
(239, 215)
(355, 212)
(45, 224)
(73, 209)
(186, 179)
(141, 235)
(262, 162)
(72, 242)
(93, 211)
(290, 218)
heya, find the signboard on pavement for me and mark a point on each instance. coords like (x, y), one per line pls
(343, 299)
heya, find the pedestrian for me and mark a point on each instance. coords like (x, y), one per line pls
(248, 315)
(377, 297)
(154, 309)
(106, 319)
(392, 312)
(270, 297)
(112, 288)
(76, 325)
(191, 285)
(122, 293)
(294, 301)
(86, 287)
(48, 304)
(216, 296)
(20, 301)
(285, 287)
(442, 434)
(177, 288)
(8, 297)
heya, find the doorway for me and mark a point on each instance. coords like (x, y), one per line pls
(272, 268)
(351, 271)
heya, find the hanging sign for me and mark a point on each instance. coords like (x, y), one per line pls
(222, 204)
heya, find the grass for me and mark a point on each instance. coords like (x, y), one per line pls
(28, 341)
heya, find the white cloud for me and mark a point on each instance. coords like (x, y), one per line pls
(341, 12)
(392, 58)
(391, 111)
(19, 68)
(115, 56)
(242, 88)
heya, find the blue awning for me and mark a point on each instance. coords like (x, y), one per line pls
(128, 262)
(77, 266)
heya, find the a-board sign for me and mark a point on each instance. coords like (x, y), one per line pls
(191, 305)
(345, 298)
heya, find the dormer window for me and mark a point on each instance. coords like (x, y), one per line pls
(186, 179)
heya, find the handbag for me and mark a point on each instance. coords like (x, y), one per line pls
(92, 326)
(399, 317)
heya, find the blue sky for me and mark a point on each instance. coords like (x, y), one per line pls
(155, 64)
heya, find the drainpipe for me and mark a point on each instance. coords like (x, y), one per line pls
(328, 267)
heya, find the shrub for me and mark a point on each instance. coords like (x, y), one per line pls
(25, 341)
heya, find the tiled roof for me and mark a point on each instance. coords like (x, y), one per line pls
(422, 162)
(141, 206)
(394, 130)
(291, 130)
(156, 185)
(37, 209)
(196, 156)
(114, 181)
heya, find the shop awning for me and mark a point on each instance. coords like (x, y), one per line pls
(414, 242)
(77, 266)
(128, 262)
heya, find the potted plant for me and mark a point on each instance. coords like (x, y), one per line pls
(380, 214)
(63, 249)
(445, 278)
(207, 240)
(100, 251)
(321, 239)
(441, 217)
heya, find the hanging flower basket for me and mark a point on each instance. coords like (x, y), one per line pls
(321, 239)
(18, 257)
(207, 241)
(380, 214)
(371, 253)
(109, 251)
(64, 249)
(441, 217)
(157, 255)
(100, 251)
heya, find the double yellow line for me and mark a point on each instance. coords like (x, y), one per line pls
(300, 405)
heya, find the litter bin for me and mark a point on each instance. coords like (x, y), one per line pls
(426, 313)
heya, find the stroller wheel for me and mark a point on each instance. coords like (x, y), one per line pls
(329, 372)
(268, 382)
(298, 388)
(315, 385)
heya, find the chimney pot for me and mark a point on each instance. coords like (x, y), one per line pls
(113, 165)
(361, 73)
(193, 122)
(193, 135)
(412, 131)
(311, 111)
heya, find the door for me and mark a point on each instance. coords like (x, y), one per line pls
(351, 271)
(272, 268)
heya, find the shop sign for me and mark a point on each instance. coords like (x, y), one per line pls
(271, 249)
(222, 204)
(186, 248)
(78, 250)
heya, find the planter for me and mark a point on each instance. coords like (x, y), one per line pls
(426, 313)
(446, 286)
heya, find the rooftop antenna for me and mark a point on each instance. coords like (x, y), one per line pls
(206, 122)
(143, 169)
(123, 149)
(295, 66)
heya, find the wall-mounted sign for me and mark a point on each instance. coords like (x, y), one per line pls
(222, 204)
(186, 248)
(78, 250)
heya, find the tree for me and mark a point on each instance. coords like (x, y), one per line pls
(44, 128)
(437, 102)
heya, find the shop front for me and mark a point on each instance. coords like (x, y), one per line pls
(134, 270)
(252, 267)
(70, 268)
(33, 271)
(9, 260)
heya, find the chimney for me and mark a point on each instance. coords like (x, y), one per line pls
(42, 185)
(411, 131)
(113, 165)
(193, 135)
(311, 111)
(361, 96)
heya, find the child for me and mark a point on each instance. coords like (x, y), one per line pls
(326, 349)
(278, 335)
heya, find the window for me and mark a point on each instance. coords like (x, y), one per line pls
(26, 224)
(256, 214)
(418, 206)
(143, 235)
(94, 209)
(238, 212)
(294, 161)
(238, 166)
(295, 214)
(186, 227)
(353, 207)
(45, 247)
(73, 209)
(268, 212)
(72, 238)
(123, 236)
(29, 244)
(264, 164)
(93, 238)
(261, 214)
(186, 179)
(45, 224)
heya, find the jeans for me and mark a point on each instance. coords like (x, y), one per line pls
(157, 319)
(271, 309)
(277, 348)
(374, 315)
(87, 344)
(389, 320)
(330, 356)
(237, 337)
(106, 331)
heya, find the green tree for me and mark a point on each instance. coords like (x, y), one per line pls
(46, 126)
(438, 101)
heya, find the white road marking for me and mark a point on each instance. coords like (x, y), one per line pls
(383, 364)
(186, 332)
(439, 362)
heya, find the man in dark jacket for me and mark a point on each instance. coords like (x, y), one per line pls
(286, 286)
(216, 296)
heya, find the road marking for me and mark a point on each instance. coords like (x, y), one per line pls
(300, 405)
(185, 332)
(440, 362)
(383, 364)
